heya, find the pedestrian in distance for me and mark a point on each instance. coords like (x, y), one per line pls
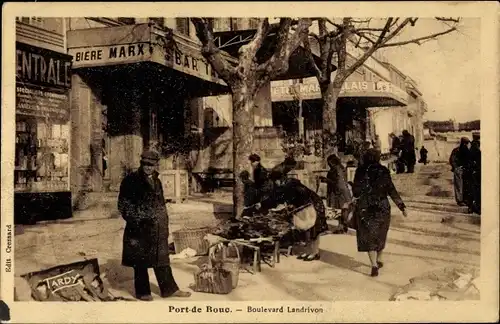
(408, 151)
(145, 241)
(423, 155)
(372, 211)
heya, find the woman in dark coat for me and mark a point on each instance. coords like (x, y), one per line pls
(294, 194)
(372, 213)
(145, 240)
(338, 195)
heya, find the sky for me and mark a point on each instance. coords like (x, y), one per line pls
(447, 69)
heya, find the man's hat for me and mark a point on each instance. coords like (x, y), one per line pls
(150, 157)
(254, 158)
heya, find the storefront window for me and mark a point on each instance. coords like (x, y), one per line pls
(42, 120)
(42, 156)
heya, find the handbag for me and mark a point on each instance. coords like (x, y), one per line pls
(304, 217)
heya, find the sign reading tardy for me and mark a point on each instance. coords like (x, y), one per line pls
(43, 79)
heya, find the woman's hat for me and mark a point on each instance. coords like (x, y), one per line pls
(150, 157)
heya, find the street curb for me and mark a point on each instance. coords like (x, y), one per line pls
(443, 216)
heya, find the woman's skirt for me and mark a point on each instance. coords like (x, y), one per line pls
(372, 227)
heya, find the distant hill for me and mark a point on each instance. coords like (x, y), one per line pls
(452, 126)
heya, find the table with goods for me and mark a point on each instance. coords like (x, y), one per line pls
(266, 236)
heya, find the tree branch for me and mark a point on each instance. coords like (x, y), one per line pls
(420, 39)
(310, 56)
(248, 52)
(451, 19)
(286, 45)
(380, 41)
(213, 55)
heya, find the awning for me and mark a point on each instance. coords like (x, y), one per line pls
(121, 45)
(374, 94)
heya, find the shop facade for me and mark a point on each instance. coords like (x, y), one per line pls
(361, 92)
(43, 134)
(136, 87)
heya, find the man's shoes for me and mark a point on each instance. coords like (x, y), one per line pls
(182, 294)
(145, 297)
(374, 272)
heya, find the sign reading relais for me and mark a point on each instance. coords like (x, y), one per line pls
(110, 54)
(311, 90)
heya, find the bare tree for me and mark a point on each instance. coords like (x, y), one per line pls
(332, 42)
(247, 78)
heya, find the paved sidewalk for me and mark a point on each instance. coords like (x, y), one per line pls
(414, 247)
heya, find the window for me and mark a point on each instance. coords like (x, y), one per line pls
(51, 24)
(126, 20)
(35, 21)
(159, 21)
(182, 26)
(41, 156)
(254, 23)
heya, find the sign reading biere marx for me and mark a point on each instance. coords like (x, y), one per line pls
(104, 55)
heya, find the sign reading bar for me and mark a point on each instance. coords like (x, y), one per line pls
(191, 64)
(111, 54)
(42, 67)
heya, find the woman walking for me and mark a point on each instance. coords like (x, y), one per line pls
(338, 195)
(293, 195)
(372, 213)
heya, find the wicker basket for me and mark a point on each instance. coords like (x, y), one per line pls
(212, 280)
(191, 238)
(230, 264)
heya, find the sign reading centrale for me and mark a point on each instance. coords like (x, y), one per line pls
(110, 54)
(43, 79)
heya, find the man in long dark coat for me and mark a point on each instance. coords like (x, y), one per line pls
(460, 166)
(145, 241)
(408, 151)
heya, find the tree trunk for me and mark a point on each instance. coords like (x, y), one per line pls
(330, 93)
(243, 128)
